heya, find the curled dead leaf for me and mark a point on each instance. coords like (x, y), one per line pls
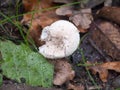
(75, 87)
(63, 72)
(112, 66)
(102, 69)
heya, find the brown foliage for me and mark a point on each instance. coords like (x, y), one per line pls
(102, 69)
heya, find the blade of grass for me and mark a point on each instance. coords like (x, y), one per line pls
(18, 26)
(84, 61)
(17, 9)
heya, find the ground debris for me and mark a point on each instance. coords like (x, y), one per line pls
(63, 72)
(110, 13)
(116, 82)
(106, 36)
(39, 19)
(81, 18)
(102, 69)
(75, 87)
(94, 87)
(63, 1)
(23, 87)
(65, 11)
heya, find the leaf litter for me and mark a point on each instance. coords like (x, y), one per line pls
(63, 72)
(102, 69)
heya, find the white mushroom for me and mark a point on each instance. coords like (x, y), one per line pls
(61, 39)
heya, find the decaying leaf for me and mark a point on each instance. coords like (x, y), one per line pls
(112, 66)
(94, 3)
(37, 6)
(63, 72)
(39, 19)
(75, 87)
(110, 13)
(63, 1)
(31, 5)
(103, 73)
(106, 36)
(102, 69)
(66, 10)
(81, 18)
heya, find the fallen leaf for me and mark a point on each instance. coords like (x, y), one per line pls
(24, 65)
(39, 6)
(75, 87)
(83, 18)
(106, 37)
(103, 73)
(94, 3)
(39, 19)
(110, 13)
(31, 5)
(112, 66)
(102, 69)
(63, 72)
(65, 10)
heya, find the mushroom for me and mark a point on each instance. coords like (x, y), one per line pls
(61, 39)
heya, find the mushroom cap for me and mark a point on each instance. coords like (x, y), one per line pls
(61, 39)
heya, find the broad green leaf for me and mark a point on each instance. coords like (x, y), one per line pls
(20, 63)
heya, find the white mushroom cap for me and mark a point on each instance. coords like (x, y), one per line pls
(62, 39)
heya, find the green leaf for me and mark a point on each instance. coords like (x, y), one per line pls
(23, 65)
(1, 79)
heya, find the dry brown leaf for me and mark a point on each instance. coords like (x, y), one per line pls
(65, 10)
(102, 69)
(75, 87)
(31, 5)
(103, 73)
(81, 18)
(112, 66)
(106, 37)
(110, 13)
(63, 72)
(38, 20)
(42, 20)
